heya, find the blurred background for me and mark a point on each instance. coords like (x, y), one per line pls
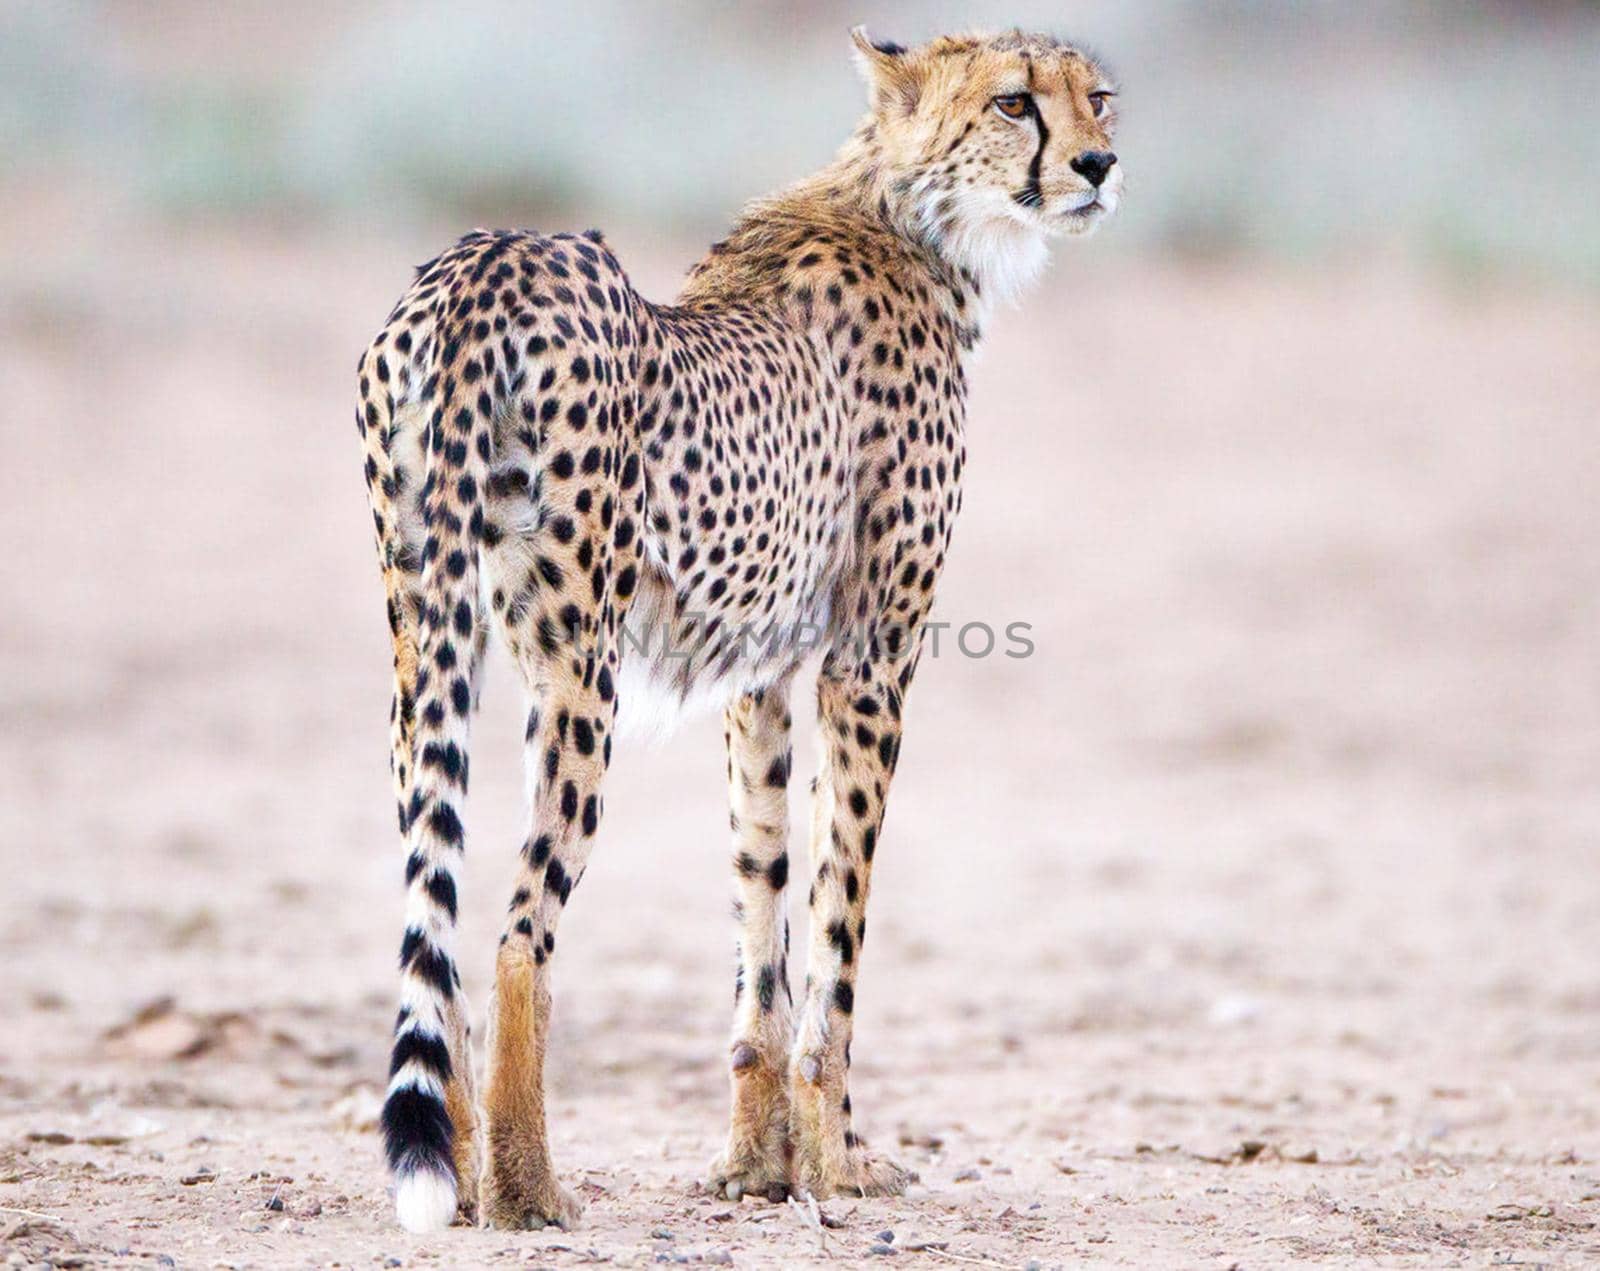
(1251, 918)
(1457, 135)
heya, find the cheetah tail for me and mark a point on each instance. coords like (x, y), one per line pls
(431, 1030)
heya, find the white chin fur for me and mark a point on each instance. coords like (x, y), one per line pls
(1110, 197)
(425, 1201)
(1000, 245)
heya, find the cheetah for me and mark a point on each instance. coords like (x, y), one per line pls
(660, 501)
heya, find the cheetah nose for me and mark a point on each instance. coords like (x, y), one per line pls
(1092, 165)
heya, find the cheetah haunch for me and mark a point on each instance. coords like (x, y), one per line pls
(552, 455)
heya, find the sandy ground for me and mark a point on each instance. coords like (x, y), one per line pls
(1251, 920)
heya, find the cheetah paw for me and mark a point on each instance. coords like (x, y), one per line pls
(517, 1209)
(879, 1176)
(735, 1177)
(864, 1174)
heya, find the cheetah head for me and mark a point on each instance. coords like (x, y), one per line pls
(993, 144)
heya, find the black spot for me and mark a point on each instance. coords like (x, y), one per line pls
(887, 750)
(844, 997)
(420, 1048)
(839, 936)
(442, 890)
(427, 963)
(446, 758)
(556, 881)
(444, 822)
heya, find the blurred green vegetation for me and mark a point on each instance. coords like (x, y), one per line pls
(1461, 134)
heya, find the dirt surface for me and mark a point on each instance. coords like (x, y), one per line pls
(1251, 919)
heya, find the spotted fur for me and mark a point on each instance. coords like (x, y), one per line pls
(696, 491)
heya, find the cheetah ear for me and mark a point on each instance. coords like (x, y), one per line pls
(893, 79)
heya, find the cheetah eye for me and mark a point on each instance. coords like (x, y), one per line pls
(1099, 100)
(1013, 105)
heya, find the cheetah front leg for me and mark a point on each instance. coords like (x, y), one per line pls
(756, 1159)
(859, 715)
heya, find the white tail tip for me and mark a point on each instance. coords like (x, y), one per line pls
(425, 1201)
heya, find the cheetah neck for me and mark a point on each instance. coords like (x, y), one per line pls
(968, 263)
(994, 254)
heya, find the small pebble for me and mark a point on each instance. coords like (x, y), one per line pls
(661, 1233)
(968, 1176)
(886, 1237)
(882, 1250)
